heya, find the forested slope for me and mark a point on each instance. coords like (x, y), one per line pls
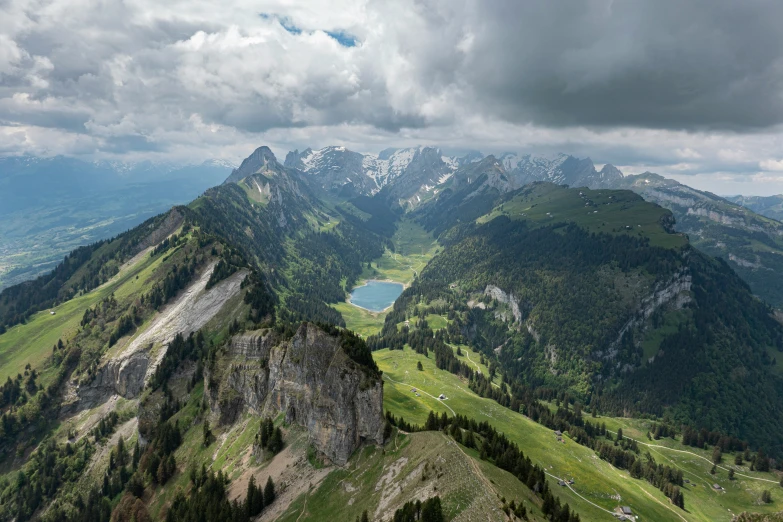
(590, 290)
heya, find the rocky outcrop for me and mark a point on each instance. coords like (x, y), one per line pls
(674, 292)
(744, 262)
(123, 376)
(169, 225)
(508, 299)
(127, 373)
(262, 157)
(308, 377)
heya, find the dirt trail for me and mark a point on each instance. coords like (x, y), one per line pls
(478, 368)
(664, 505)
(698, 456)
(578, 495)
(473, 464)
(422, 391)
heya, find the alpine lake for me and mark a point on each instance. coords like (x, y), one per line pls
(376, 296)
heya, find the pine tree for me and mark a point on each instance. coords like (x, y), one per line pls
(762, 461)
(269, 491)
(717, 455)
(171, 465)
(419, 366)
(432, 422)
(731, 474)
(162, 475)
(431, 510)
(365, 516)
(255, 498)
(470, 440)
(275, 441)
(136, 454)
(207, 434)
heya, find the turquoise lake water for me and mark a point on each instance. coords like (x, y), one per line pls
(376, 296)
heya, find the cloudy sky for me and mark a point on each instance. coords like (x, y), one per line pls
(689, 89)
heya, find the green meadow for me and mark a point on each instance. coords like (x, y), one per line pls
(599, 487)
(31, 343)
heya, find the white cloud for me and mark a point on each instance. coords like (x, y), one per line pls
(773, 165)
(191, 79)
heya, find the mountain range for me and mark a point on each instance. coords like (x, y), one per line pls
(566, 346)
(741, 230)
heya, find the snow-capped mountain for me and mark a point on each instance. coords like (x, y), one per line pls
(408, 170)
(409, 176)
(336, 169)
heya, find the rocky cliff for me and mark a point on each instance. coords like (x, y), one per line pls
(310, 378)
(127, 372)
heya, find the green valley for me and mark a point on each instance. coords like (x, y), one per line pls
(209, 363)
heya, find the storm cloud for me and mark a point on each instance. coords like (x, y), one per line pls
(688, 87)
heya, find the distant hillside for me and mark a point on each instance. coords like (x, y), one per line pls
(49, 206)
(137, 371)
(750, 243)
(770, 206)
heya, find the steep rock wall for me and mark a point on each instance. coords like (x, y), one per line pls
(309, 378)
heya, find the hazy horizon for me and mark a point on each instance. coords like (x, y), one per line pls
(670, 87)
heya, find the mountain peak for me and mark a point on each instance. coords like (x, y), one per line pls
(263, 154)
(262, 157)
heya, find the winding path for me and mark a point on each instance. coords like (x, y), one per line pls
(695, 455)
(578, 495)
(478, 368)
(422, 391)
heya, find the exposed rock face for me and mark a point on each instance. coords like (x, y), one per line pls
(169, 225)
(675, 292)
(261, 158)
(502, 297)
(127, 373)
(124, 376)
(333, 167)
(310, 378)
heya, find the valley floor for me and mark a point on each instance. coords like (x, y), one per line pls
(414, 247)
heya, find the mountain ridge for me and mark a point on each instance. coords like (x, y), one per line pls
(200, 336)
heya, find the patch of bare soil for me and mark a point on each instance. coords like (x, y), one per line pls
(292, 474)
(125, 431)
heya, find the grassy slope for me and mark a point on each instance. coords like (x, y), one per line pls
(468, 487)
(741, 494)
(607, 211)
(595, 480)
(31, 343)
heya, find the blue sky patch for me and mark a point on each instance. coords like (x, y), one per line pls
(343, 38)
(286, 22)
